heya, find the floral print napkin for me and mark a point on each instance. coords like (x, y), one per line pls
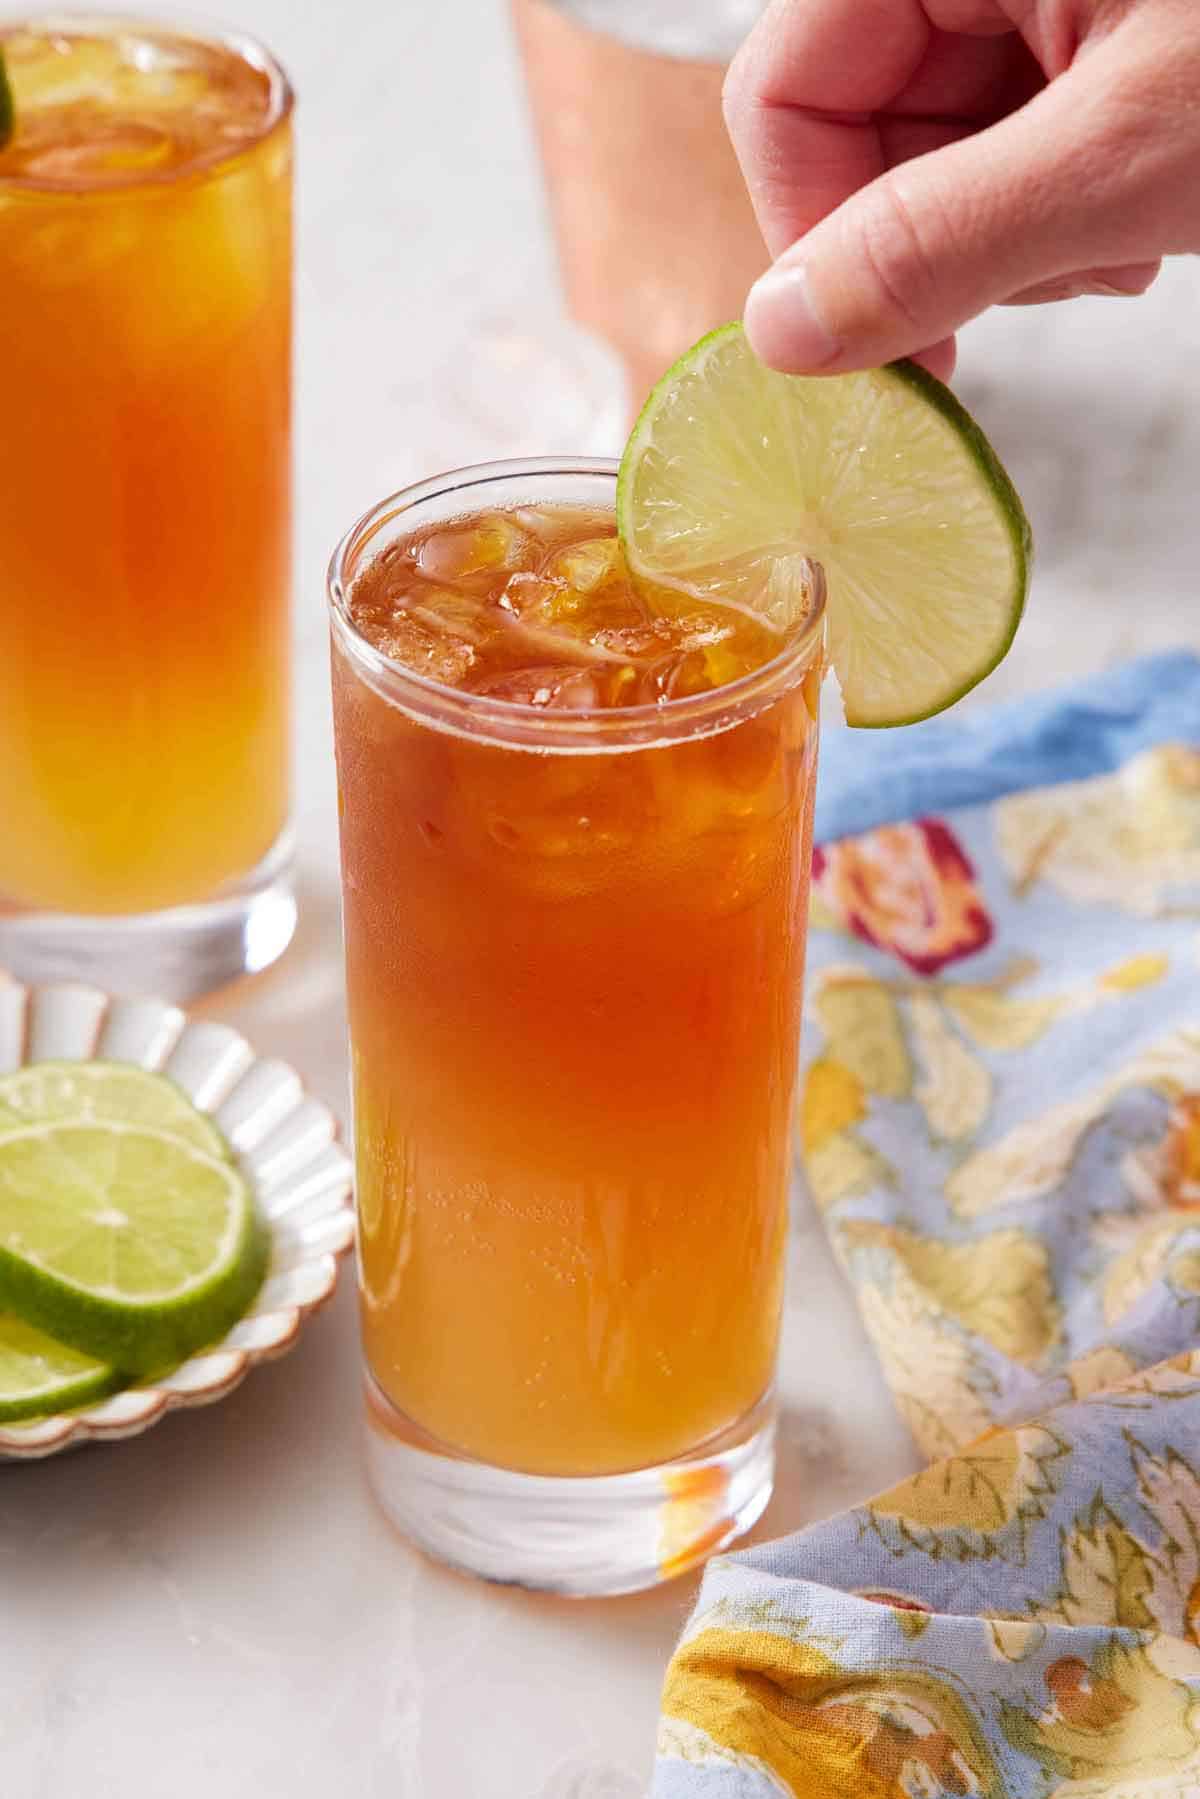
(1000, 1121)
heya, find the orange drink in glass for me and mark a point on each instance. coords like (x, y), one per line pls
(145, 312)
(576, 836)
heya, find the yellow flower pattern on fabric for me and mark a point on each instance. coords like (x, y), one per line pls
(976, 1629)
(1138, 971)
(998, 1287)
(1169, 1489)
(1130, 840)
(1109, 1719)
(834, 1100)
(937, 1383)
(1000, 1120)
(995, 1019)
(1034, 1156)
(828, 1730)
(1144, 1252)
(961, 1505)
(955, 1090)
(861, 1024)
(838, 1163)
(1097, 1369)
(1105, 1574)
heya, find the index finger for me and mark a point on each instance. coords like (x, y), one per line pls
(800, 103)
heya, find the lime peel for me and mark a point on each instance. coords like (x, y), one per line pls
(39, 1376)
(124, 1242)
(733, 472)
(7, 120)
(95, 1090)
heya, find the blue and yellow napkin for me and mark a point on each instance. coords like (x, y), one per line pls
(1000, 1121)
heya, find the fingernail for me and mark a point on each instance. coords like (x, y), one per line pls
(783, 324)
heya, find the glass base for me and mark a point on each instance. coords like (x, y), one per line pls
(580, 1536)
(174, 954)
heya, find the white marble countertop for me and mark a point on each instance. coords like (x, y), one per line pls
(216, 1610)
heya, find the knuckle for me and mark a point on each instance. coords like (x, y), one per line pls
(899, 254)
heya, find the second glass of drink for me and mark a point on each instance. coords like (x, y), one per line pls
(145, 517)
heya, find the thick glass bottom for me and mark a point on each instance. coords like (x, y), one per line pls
(580, 1536)
(176, 953)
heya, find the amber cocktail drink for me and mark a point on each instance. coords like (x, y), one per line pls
(145, 313)
(575, 821)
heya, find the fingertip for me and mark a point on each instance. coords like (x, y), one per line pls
(785, 329)
(787, 333)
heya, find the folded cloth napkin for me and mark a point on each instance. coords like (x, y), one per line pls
(1000, 1120)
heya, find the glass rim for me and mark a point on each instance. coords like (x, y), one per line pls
(196, 28)
(516, 723)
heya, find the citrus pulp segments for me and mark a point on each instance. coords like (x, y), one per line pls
(126, 1243)
(287, 1146)
(98, 1090)
(734, 473)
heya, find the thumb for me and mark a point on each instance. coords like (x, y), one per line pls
(915, 254)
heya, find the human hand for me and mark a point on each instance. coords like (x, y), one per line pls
(912, 162)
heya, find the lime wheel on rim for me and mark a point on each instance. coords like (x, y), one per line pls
(735, 476)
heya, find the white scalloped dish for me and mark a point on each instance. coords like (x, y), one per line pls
(286, 1144)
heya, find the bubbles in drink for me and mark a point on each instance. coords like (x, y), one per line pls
(539, 608)
(438, 654)
(569, 689)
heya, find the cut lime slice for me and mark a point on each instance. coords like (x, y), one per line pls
(125, 1242)
(39, 1376)
(42, 1092)
(6, 104)
(734, 475)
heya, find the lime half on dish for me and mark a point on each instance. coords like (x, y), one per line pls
(39, 1376)
(127, 1243)
(42, 1092)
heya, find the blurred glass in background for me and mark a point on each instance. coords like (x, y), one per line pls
(657, 241)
